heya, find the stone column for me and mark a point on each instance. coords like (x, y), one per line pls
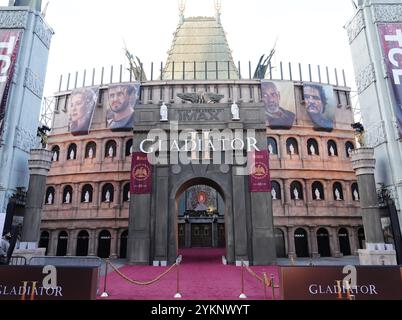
(291, 242)
(113, 244)
(39, 166)
(52, 242)
(314, 243)
(364, 165)
(334, 243)
(92, 241)
(363, 162)
(72, 242)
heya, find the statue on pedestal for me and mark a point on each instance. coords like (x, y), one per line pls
(292, 149)
(164, 113)
(235, 112)
(90, 153)
(86, 197)
(111, 152)
(317, 194)
(107, 196)
(273, 192)
(312, 150)
(296, 193)
(67, 200)
(50, 198)
(337, 195)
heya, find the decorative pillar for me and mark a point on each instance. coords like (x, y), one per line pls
(377, 252)
(334, 242)
(113, 244)
(52, 242)
(313, 241)
(291, 243)
(92, 243)
(39, 166)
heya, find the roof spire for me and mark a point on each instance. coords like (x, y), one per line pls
(182, 8)
(218, 7)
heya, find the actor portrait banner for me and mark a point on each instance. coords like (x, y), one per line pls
(81, 110)
(9, 45)
(280, 105)
(122, 98)
(391, 42)
(320, 105)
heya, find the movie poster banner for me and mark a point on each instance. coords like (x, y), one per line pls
(259, 178)
(391, 42)
(320, 103)
(9, 45)
(327, 283)
(141, 174)
(81, 110)
(122, 99)
(280, 103)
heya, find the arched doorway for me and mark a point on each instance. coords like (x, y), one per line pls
(123, 245)
(44, 240)
(82, 244)
(201, 215)
(362, 238)
(62, 242)
(344, 243)
(323, 243)
(280, 243)
(104, 241)
(301, 243)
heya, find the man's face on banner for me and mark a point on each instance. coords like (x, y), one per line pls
(271, 98)
(77, 110)
(119, 99)
(313, 100)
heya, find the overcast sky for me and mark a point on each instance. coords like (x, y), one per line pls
(91, 33)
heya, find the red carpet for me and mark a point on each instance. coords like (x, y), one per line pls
(202, 277)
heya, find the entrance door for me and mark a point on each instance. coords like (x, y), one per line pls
(323, 243)
(301, 243)
(201, 235)
(344, 243)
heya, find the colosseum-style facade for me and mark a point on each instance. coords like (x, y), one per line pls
(87, 200)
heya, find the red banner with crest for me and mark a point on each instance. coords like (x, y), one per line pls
(141, 174)
(260, 179)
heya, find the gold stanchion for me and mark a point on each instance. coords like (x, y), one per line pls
(242, 294)
(266, 283)
(105, 294)
(273, 286)
(178, 294)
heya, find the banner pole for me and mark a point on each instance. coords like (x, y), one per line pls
(265, 282)
(105, 294)
(242, 294)
(178, 294)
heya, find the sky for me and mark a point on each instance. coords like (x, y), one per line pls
(91, 33)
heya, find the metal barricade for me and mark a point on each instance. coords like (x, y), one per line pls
(94, 262)
(17, 261)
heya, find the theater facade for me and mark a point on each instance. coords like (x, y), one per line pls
(189, 166)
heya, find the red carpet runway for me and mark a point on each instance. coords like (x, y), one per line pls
(202, 277)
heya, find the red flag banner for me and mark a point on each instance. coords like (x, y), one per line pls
(141, 174)
(391, 42)
(9, 45)
(259, 178)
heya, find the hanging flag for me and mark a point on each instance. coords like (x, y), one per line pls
(259, 178)
(141, 174)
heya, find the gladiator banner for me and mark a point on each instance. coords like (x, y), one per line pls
(122, 99)
(320, 105)
(280, 103)
(328, 283)
(141, 174)
(259, 178)
(391, 42)
(82, 109)
(9, 45)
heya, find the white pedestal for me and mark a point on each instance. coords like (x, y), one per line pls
(378, 255)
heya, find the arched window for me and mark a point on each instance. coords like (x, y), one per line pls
(129, 147)
(337, 191)
(276, 191)
(349, 147)
(280, 243)
(90, 150)
(62, 242)
(332, 148)
(126, 192)
(87, 193)
(67, 195)
(323, 242)
(355, 192)
(123, 244)
(50, 196)
(344, 242)
(318, 191)
(72, 152)
(272, 146)
(292, 146)
(107, 193)
(56, 153)
(312, 147)
(104, 241)
(296, 190)
(82, 244)
(44, 240)
(301, 243)
(110, 150)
